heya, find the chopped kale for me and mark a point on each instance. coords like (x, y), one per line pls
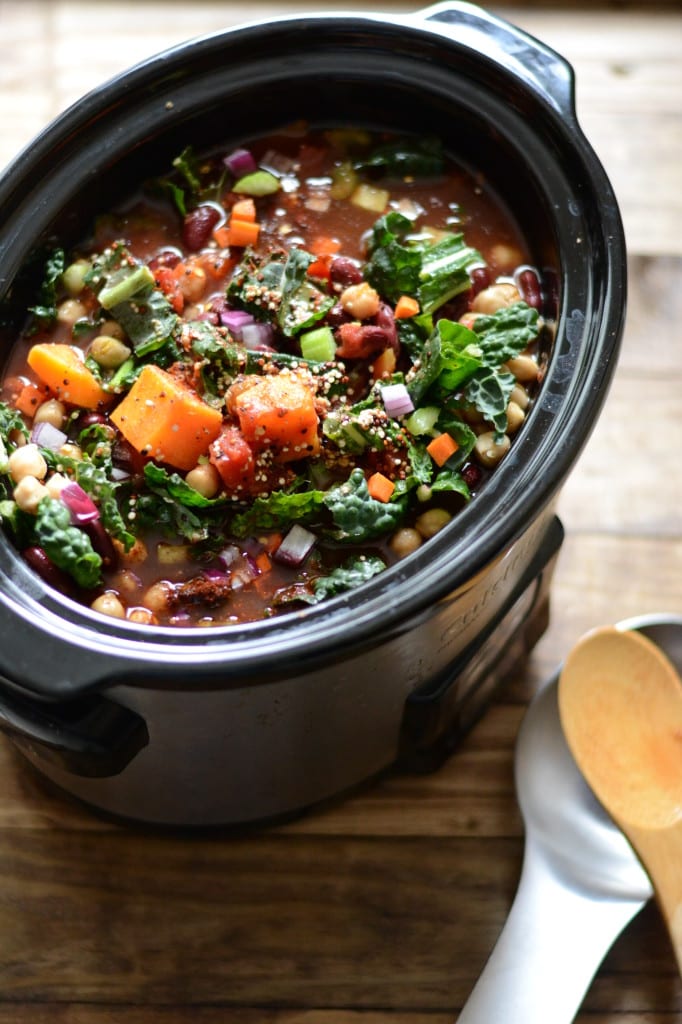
(277, 511)
(277, 289)
(506, 333)
(45, 311)
(173, 486)
(489, 391)
(433, 273)
(418, 158)
(357, 516)
(450, 356)
(93, 474)
(353, 573)
(66, 545)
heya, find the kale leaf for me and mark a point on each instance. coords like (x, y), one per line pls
(46, 308)
(351, 574)
(357, 516)
(93, 474)
(418, 157)
(504, 334)
(450, 356)
(68, 547)
(431, 272)
(490, 391)
(277, 511)
(277, 289)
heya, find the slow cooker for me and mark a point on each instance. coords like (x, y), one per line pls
(234, 725)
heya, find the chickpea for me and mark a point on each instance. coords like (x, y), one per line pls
(469, 319)
(28, 494)
(127, 583)
(524, 368)
(205, 479)
(69, 311)
(156, 597)
(52, 411)
(73, 277)
(142, 615)
(489, 451)
(56, 484)
(112, 329)
(515, 417)
(71, 451)
(520, 396)
(405, 541)
(360, 300)
(108, 352)
(27, 462)
(109, 604)
(497, 296)
(505, 257)
(432, 521)
(192, 283)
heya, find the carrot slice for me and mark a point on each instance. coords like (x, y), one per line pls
(405, 307)
(63, 370)
(244, 209)
(380, 487)
(162, 418)
(242, 232)
(30, 397)
(441, 448)
(384, 365)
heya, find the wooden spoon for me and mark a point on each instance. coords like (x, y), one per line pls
(620, 702)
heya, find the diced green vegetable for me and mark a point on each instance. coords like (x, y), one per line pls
(126, 287)
(318, 344)
(258, 183)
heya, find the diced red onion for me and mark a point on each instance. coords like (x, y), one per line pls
(47, 436)
(240, 162)
(80, 505)
(396, 399)
(229, 555)
(216, 575)
(295, 547)
(256, 336)
(235, 319)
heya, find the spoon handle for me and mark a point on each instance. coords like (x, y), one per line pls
(661, 854)
(550, 948)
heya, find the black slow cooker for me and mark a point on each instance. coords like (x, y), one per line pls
(233, 725)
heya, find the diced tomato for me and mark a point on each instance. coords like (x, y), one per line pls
(167, 280)
(234, 458)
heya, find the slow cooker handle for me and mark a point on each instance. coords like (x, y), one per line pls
(541, 67)
(91, 736)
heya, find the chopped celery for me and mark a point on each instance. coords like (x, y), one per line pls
(258, 183)
(124, 289)
(423, 421)
(318, 344)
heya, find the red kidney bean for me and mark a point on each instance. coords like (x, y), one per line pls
(90, 419)
(359, 341)
(480, 279)
(102, 543)
(472, 475)
(344, 272)
(198, 225)
(337, 315)
(166, 258)
(36, 558)
(528, 283)
(386, 320)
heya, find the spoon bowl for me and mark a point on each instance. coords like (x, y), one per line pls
(620, 702)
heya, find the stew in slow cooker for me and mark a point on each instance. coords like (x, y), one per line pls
(266, 377)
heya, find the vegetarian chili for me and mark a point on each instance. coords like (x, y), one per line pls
(269, 375)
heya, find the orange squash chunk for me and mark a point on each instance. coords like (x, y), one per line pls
(166, 421)
(63, 370)
(277, 412)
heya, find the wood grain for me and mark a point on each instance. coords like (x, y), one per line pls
(379, 907)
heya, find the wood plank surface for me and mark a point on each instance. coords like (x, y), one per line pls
(380, 907)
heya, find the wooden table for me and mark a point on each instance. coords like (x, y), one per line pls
(384, 907)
